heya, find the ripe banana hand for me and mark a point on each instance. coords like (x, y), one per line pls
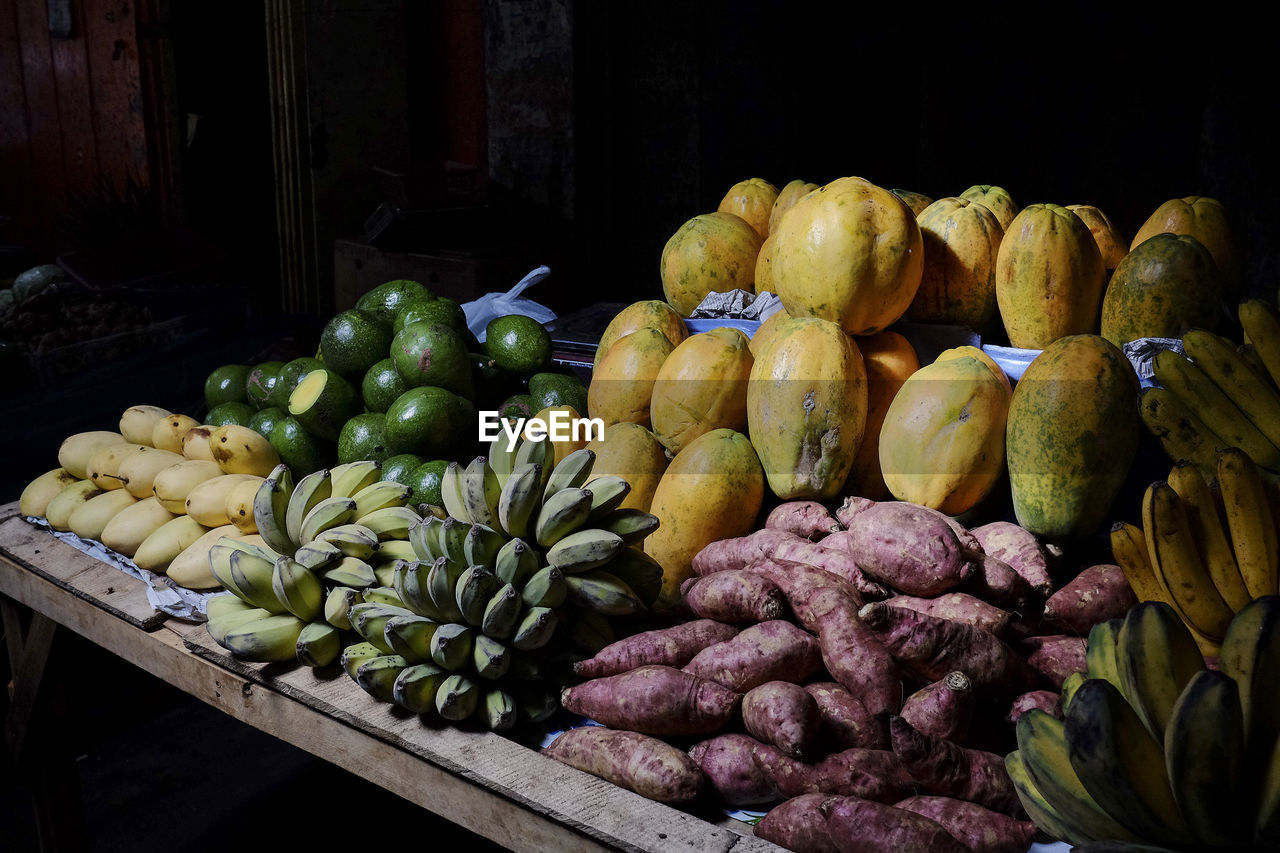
(1177, 564)
(1253, 531)
(1158, 658)
(1205, 754)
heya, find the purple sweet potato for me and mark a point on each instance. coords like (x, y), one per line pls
(739, 553)
(1019, 548)
(874, 774)
(968, 541)
(846, 722)
(799, 825)
(863, 826)
(728, 762)
(908, 547)
(1049, 701)
(976, 827)
(1095, 595)
(958, 607)
(943, 709)
(646, 765)
(806, 519)
(996, 581)
(674, 646)
(737, 596)
(770, 651)
(784, 715)
(932, 647)
(655, 700)
(947, 769)
(1056, 656)
(854, 655)
(801, 583)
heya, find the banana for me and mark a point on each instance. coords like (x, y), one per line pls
(1253, 531)
(137, 423)
(562, 514)
(583, 550)
(1211, 539)
(354, 540)
(1218, 358)
(425, 538)
(535, 629)
(536, 452)
(515, 562)
(223, 604)
(451, 646)
(547, 588)
(391, 522)
(36, 495)
(502, 612)
(481, 546)
(318, 645)
(457, 697)
(1177, 565)
(490, 658)
(356, 654)
(330, 512)
(1204, 755)
(67, 501)
(90, 518)
(416, 687)
(298, 589)
(607, 494)
(394, 550)
(1070, 685)
(524, 668)
(1157, 658)
(370, 619)
(499, 710)
(270, 508)
(168, 432)
(307, 492)
(1036, 806)
(1251, 655)
(442, 578)
(1102, 653)
(377, 676)
(410, 583)
(338, 604)
(591, 631)
(222, 624)
(599, 591)
(476, 585)
(1268, 821)
(239, 506)
(410, 636)
(351, 477)
(631, 525)
(536, 702)
(1121, 765)
(480, 493)
(103, 466)
(349, 571)
(253, 578)
(453, 539)
(383, 595)
(570, 473)
(639, 571)
(380, 495)
(451, 493)
(1203, 396)
(269, 639)
(251, 544)
(520, 500)
(195, 443)
(502, 460)
(1042, 746)
(207, 501)
(1249, 354)
(193, 567)
(1261, 324)
(318, 554)
(76, 450)
(130, 531)
(1182, 434)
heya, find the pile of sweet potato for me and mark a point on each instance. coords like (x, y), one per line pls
(855, 673)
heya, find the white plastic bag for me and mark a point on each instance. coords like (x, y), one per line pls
(484, 309)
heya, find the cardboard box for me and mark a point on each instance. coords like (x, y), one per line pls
(359, 267)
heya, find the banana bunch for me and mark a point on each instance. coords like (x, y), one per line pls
(1155, 747)
(1205, 550)
(1220, 395)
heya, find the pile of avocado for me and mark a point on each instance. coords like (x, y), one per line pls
(397, 379)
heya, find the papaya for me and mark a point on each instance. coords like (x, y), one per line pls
(849, 252)
(1111, 244)
(622, 385)
(914, 200)
(889, 359)
(958, 284)
(942, 441)
(702, 386)
(976, 352)
(751, 200)
(787, 197)
(766, 330)
(807, 408)
(1072, 432)
(1049, 277)
(1165, 286)
(711, 252)
(633, 453)
(647, 313)
(1205, 219)
(764, 266)
(995, 199)
(712, 490)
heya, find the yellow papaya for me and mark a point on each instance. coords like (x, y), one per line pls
(807, 408)
(752, 201)
(633, 453)
(788, 196)
(712, 490)
(995, 199)
(622, 385)
(976, 352)
(766, 330)
(889, 359)
(1165, 286)
(942, 442)
(702, 386)
(914, 200)
(1111, 244)
(711, 252)
(1205, 219)
(645, 314)
(958, 284)
(764, 266)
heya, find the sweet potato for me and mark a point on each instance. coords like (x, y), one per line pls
(976, 827)
(770, 651)
(947, 769)
(875, 774)
(740, 552)
(784, 715)
(736, 596)
(846, 722)
(958, 607)
(908, 547)
(1095, 595)
(1019, 548)
(862, 826)
(655, 700)
(1056, 656)
(639, 763)
(943, 709)
(996, 581)
(932, 647)
(801, 583)
(968, 541)
(799, 825)
(1049, 701)
(806, 519)
(728, 762)
(854, 655)
(674, 646)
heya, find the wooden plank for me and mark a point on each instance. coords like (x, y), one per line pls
(17, 175)
(45, 134)
(105, 586)
(111, 42)
(75, 105)
(28, 675)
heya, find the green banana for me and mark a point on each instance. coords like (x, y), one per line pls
(603, 593)
(297, 589)
(546, 588)
(251, 548)
(377, 676)
(451, 645)
(524, 667)
(356, 654)
(317, 554)
(591, 631)
(330, 512)
(1069, 687)
(490, 658)
(1039, 809)
(425, 538)
(480, 492)
(1251, 655)
(520, 500)
(632, 525)
(351, 572)
(370, 619)
(457, 697)
(481, 546)
(583, 550)
(416, 687)
(391, 522)
(535, 629)
(1205, 758)
(318, 644)
(607, 494)
(502, 613)
(410, 637)
(385, 575)
(354, 540)
(252, 576)
(380, 495)
(476, 585)
(451, 493)
(309, 491)
(223, 623)
(1157, 658)
(499, 709)
(1102, 654)
(535, 702)
(351, 477)
(391, 550)
(453, 539)
(410, 584)
(639, 571)
(266, 640)
(538, 452)
(515, 562)
(442, 578)
(270, 505)
(562, 514)
(1268, 820)
(224, 605)
(220, 566)
(570, 472)
(502, 460)
(338, 604)
(385, 594)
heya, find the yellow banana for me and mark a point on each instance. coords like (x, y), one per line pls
(1249, 353)
(1176, 563)
(1180, 432)
(1039, 809)
(1218, 358)
(1211, 539)
(1205, 756)
(1261, 323)
(1157, 657)
(1129, 550)
(1253, 531)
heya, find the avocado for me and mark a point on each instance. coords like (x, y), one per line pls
(429, 421)
(433, 354)
(518, 344)
(385, 300)
(265, 420)
(226, 384)
(518, 406)
(425, 482)
(353, 341)
(363, 437)
(492, 383)
(301, 450)
(398, 468)
(289, 377)
(323, 402)
(557, 389)
(381, 385)
(260, 381)
(233, 412)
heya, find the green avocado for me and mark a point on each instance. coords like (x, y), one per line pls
(353, 341)
(363, 437)
(323, 402)
(429, 421)
(557, 389)
(260, 382)
(290, 375)
(433, 354)
(425, 482)
(381, 385)
(398, 468)
(226, 384)
(386, 300)
(265, 420)
(301, 450)
(518, 344)
(233, 412)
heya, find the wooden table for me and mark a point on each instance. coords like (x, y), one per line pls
(487, 783)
